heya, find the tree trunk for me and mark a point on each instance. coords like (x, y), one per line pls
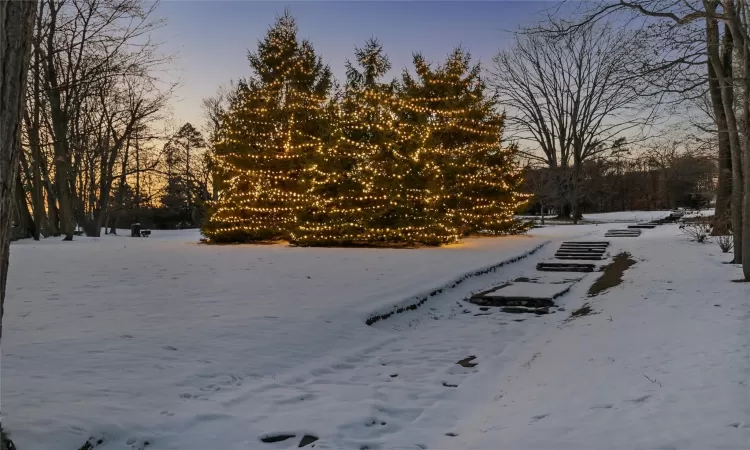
(112, 223)
(723, 70)
(575, 204)
(16, 31)
(26, 227)
(52, 217)
(119, 198)
(17, 25)
(37, 198)
(724, 185)
(59, 118)
(62, 183)
(746, 214)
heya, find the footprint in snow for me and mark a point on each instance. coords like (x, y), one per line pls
(639, 399)
(603, 407)
(136, 444)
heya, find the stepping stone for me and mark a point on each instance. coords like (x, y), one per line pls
(623, 233)
(580, 252)
(585, 249)
(581, 257)
(307, 440)
(467, 362)
(565, 267)
(554, 278)
(591, 246)
(530, 295)
(525, 310)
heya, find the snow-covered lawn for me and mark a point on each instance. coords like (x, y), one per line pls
(128, 336)
(628, 216)
(188, 346)
(664, 363)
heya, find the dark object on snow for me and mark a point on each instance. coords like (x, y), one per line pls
(623, 233)
(91, 444)
(523, 310)
(643, 225)
(467, 362)
(135, 230)
(612, 275)
(5, 442)
(582, 250)
(145, 233)
(565, 267)
(528, 302)
(307, 440)
(276, 438)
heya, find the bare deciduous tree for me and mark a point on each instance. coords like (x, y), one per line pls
(93, 85)
(729, 90)
(16, 31)
(572, 95)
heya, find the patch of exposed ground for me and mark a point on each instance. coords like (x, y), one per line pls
(612, 275)
(584, 310)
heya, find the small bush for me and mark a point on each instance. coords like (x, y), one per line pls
(726, 243)
(697, 231)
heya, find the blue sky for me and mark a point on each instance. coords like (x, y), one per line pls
(211, 38)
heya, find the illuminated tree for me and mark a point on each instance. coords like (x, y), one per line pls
(270, 140)
(372, 189)
(472, 176)
(418, 162)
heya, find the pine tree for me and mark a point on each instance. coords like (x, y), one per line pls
(350, 191)
(271, 138)
(368, 194)
(476, 183)
(182, 156)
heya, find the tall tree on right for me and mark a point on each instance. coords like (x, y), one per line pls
(727, 58)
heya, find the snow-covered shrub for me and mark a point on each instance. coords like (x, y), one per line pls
(697, 231)
(726, 243)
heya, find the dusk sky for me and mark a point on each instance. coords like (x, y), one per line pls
(212, 38)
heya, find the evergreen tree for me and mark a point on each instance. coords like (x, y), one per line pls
(348, 191)
(271, 138)
(183, 155)
(368, 194)
(476, 183)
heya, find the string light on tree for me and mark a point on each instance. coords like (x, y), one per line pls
(415, 162)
